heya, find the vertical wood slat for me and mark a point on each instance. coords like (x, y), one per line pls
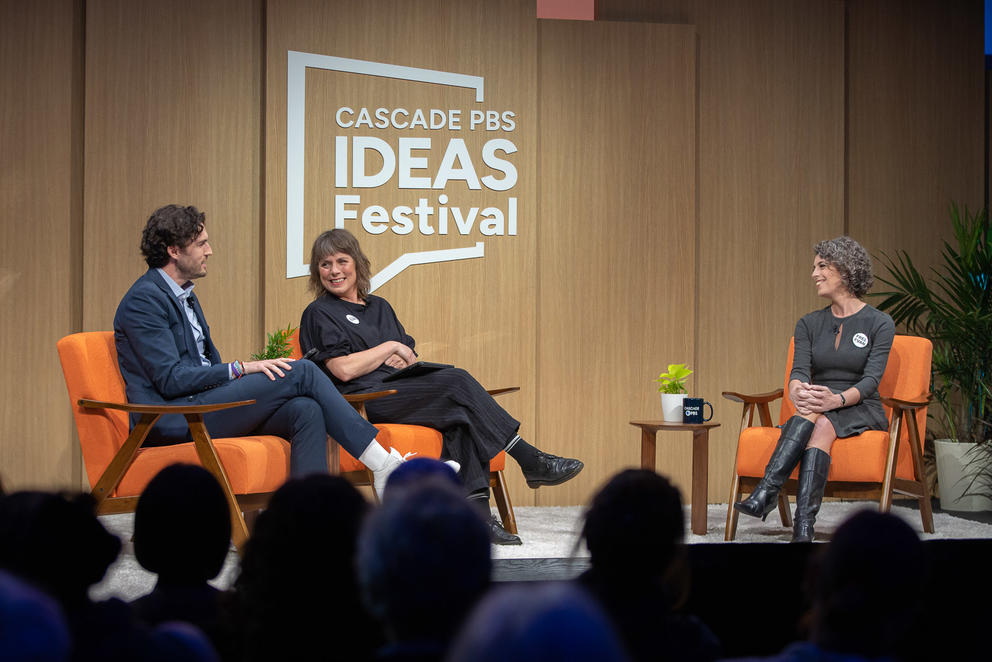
(40, 208)
(617, 239)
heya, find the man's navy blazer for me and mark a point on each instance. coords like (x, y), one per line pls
(157, 353)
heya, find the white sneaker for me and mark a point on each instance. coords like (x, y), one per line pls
(451, 463)
(380, 477)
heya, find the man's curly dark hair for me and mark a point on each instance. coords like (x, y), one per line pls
(171, 225)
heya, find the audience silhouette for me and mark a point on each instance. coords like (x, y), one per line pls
(57, 543)
(867, 589)
(424, 562)
(542, 623)
(32, 628)
(182, 533)
(296, 596)
(320, 570)
(634, 529)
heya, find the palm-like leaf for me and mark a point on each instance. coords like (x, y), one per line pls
(953, 309)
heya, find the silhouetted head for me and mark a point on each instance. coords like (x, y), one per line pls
(415, 471)
(869, 585)
(297, 574)
(637, 515)
(32, 627)
(306, 534)
(56, 542)
(182, 525)
(537, 623)
(423, 561)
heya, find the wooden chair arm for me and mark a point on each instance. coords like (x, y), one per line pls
(916, 403)
(355, 398)
(162, 409)
(501, 391)
(756, 399)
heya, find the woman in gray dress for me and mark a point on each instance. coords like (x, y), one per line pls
(840, 355)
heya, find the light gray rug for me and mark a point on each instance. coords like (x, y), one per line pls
(553, 533)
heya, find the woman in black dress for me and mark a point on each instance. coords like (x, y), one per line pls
(360, 341)
(840, 355)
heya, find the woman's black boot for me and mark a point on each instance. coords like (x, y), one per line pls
(791, 443)
(813, 472)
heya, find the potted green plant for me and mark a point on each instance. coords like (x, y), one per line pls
(672, 389)
(277, 345)
(954, 309)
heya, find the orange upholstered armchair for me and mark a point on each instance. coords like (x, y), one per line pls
(249, 469)
(873, 464)
(414, 439)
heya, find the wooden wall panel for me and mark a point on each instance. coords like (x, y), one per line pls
(40, 211)
(771, 184)
(916, 121)
(771, 178)
(478, 313)
(617, 241)
(173, 115)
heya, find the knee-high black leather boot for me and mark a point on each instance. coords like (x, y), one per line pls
(813, 470)
(791, 443)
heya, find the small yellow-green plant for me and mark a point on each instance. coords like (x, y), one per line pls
(277, 346)
(673, 381)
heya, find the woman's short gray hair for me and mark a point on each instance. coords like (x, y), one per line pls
(852, 262)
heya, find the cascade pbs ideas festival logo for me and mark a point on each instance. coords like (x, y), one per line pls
(377, 149)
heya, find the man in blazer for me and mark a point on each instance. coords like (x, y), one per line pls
(166, 355)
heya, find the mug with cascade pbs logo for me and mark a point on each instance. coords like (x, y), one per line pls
(692, 410)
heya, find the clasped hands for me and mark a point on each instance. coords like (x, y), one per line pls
(401, 357)
(812, 398)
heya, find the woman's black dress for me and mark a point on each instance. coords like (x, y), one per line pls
(474, 428)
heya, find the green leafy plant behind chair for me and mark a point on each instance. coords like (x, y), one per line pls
(277, 346)
(954, 310)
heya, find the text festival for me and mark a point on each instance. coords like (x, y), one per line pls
(410, 163)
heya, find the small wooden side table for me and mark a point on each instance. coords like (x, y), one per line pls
(700, 461)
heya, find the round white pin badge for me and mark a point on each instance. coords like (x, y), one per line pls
(354, 320)
(860, 340)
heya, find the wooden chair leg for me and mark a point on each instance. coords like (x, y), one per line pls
(735, 494)
(502, 496)
(926, 511)
(784, 511)
(251, 516)
(211, 462)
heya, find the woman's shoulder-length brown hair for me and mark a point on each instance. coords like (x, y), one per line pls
(334, 241)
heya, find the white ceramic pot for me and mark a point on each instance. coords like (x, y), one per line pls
(955, 471)
(671, 407)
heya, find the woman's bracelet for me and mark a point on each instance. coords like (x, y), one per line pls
(237, 369)
(843, 400)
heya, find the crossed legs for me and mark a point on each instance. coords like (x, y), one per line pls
(303, 406)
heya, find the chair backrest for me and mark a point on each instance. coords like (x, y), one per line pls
(89, 365)
(906, 377)
(294, 344)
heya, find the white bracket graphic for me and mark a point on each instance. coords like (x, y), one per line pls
(296, 92)
(424, 257)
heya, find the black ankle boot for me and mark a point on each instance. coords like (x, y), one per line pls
(500, 536)
(812, 480)
(791, 442)
(547, 469)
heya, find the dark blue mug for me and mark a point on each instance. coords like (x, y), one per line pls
(692, 410)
